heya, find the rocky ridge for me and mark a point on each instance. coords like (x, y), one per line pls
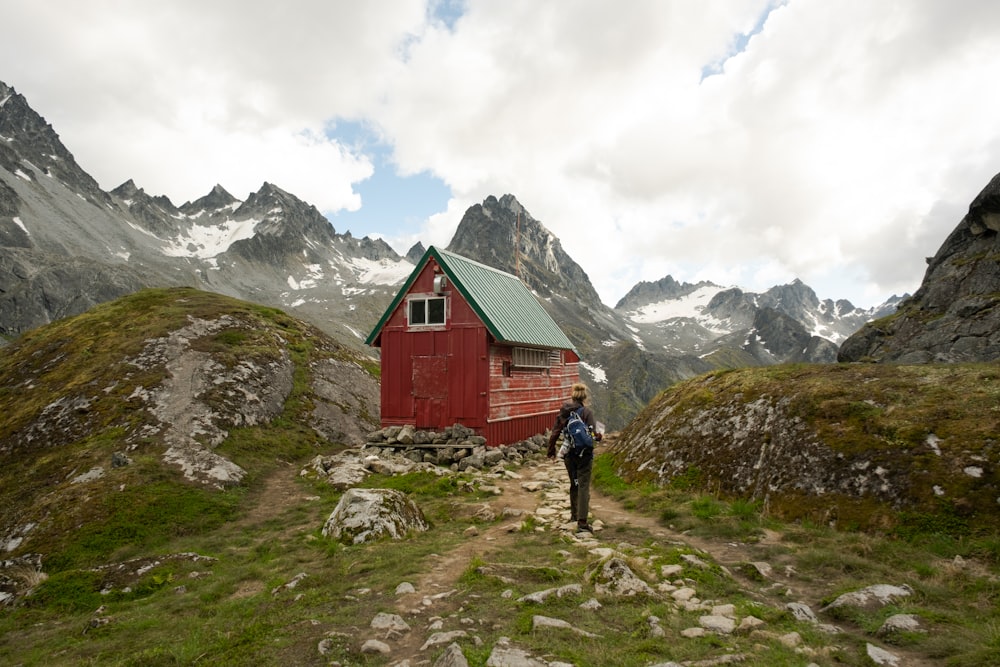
(955, 314)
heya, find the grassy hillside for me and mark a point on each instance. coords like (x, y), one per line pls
(71, 395)
(882, 447)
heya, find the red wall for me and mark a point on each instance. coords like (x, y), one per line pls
(433, 377)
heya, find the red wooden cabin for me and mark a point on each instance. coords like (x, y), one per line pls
(465, 343)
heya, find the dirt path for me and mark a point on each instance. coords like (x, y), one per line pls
(539, 484)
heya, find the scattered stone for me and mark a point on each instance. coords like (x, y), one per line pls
(749, 623)
(390, 623)
(538, 622)
(668, 571)
(882, 657)
(291, 584)
(485, 513)
(720, 624)
(691, 559)
(684, 594)
(440, 638)
(727, 610)
(872, 597)
(758, 571)
(363, 515)
(802, 612)
(693, 633)
(591, 605)
(615, 577)
(374, 646)
(505, 655)
(405, 588)
(452, 657)
(539, 597)
(900, 623)
(727, 659)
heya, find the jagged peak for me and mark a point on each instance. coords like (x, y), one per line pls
(128, 189)
(217, 198)
(415, 252)
(218, 190)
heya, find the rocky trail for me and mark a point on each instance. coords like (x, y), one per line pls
(429, 610)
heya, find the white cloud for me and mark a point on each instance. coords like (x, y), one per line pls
(840, 144)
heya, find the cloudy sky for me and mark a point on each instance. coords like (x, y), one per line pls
(746, 142)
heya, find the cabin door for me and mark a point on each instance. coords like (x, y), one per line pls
(430, 391)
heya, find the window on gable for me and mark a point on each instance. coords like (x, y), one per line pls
(425, 311)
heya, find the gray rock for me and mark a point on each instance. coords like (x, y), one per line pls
(389, 623)
(882, 657)
(720, 624)
(615, 577)
(541, 622)
(505, 655)
(374, 646)
(452, 657)
(899, 623)
(441, 638)
(363, 515)
(802, 612)
(871, 597)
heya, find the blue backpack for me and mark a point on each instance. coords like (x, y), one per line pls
(578, 432)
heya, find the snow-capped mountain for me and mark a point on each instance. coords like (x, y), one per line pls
(698, 318)
(66, 245)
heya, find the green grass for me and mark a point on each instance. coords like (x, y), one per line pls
(959, 603)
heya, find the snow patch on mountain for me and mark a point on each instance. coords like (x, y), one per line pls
(597, 372)
(382, 271)
(204, 241)
(690, 306)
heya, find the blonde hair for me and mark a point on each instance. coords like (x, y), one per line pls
(579, 392)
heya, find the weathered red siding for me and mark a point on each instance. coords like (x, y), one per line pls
(433, 377)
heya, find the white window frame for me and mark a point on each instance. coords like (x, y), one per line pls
(426, 299)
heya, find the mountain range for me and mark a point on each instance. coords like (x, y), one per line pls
(66, 245)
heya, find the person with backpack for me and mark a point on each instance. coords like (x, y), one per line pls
(576, 425)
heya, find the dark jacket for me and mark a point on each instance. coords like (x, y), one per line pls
(587, 415)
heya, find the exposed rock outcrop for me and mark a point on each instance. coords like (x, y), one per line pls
(363, 515)
(955, 315)
(839, 444)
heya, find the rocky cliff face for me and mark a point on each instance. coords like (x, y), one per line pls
(955, 315)
(874, 446)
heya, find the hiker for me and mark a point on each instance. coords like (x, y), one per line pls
(580, 462)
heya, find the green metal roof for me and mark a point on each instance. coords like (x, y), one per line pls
(506, 306)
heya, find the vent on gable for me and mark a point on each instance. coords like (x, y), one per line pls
(440, 283)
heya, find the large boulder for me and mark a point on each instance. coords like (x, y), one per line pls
(955, 315)
(364, 515)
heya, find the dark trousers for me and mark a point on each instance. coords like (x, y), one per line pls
(579, 468)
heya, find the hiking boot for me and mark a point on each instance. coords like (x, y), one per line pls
(584, 527)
